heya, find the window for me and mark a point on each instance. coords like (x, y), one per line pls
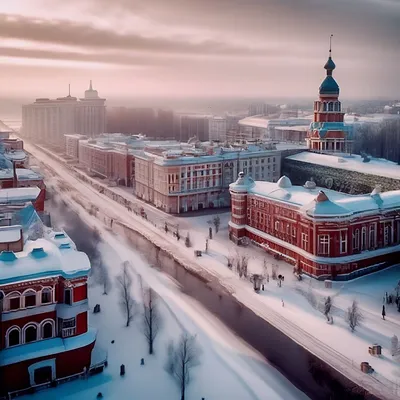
(330, 106)
(30, 333)
(30, 298)
(294, 232)
(277, 225)
(47, 330)
(66, 327)
(15, 303)
(287, 229)
(363, 238)
(343, 242)
(323, 244)
(388, 235)
(372, 230)
(14, 337)
(356, 239)
(304, 241)
(68, 296)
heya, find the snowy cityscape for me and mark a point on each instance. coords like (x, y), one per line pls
(192, 208)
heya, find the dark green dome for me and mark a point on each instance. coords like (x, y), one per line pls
(329, 86)
(330, 65)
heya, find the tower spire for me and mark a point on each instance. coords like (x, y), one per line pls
(69, 90)
(90, 87)
(330, 45)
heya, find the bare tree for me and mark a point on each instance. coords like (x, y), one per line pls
(127, 302)
(103, 277)
(244, 261)
(354, 316)
(217, 223)
(182, 358)
(327, 309)
(188, 242)
(151, 317)
(230, 259)
(275, 269)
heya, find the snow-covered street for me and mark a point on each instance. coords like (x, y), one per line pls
(297, 319)
(229, 369)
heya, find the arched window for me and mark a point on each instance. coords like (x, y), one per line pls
(30, 298)
(30, 333)
(330, 106)
(46, 295)
(336, 106)
(13, 336)
(47, 329)
(325, 106)
(14, 301)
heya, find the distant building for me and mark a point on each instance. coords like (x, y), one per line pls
(165, 124)
(328, 132)
(48, 120)
(218, 128)
(193, 126)
(72, 145)
(258, 109)
(323, 233)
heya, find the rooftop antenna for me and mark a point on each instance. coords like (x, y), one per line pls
(330, 45)
(69, 90)
(90, 88)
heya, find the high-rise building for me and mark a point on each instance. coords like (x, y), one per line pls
(48, 120)
(258, 109)
(218, 128)
(193, 126)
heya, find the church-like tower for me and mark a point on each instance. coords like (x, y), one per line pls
(328, 133)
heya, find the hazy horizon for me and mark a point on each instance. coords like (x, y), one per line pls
(131, 49)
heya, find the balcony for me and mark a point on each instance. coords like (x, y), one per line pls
(67, 332)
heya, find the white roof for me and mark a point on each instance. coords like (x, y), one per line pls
(377, 166)
(337, 204)
(19, 194)
(15, 155)
(10, 234)
(47, 259)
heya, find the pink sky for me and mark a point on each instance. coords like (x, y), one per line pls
(269, 48)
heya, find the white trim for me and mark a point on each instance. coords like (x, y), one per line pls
(53, 328)
(11, 328)
(45, 363)
(28, 325)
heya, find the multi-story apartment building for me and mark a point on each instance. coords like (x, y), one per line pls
(182, 180)
(218, 128)
(258, 109)
(326, 234)
(193, 126)
(47, 120)
(111, 161)
(44, 332)
(72, 145)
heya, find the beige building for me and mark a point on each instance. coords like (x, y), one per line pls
(48, 120)
(178, 181)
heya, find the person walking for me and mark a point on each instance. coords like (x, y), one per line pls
(383, 312)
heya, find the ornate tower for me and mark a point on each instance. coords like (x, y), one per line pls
(328, 133)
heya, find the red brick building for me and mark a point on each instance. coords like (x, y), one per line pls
(44, 333)
(324, 233)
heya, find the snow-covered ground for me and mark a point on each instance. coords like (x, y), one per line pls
(297, 319)
(229, 368)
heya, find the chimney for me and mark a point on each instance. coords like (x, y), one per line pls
(15, 177)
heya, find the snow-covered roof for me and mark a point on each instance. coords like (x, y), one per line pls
(319, 202)
(377, 166)
(19, 194)
(41, 258)
(10, 234)
(16, 155)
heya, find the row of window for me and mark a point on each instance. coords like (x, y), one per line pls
(29, 298)
(31, 332)
(327, 106)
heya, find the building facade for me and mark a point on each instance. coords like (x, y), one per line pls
(328, 132)
(44, 332)
(325, 234)
(113, 162)
(193, 126)
(218, 128)
(48, 120)
(177, 181)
